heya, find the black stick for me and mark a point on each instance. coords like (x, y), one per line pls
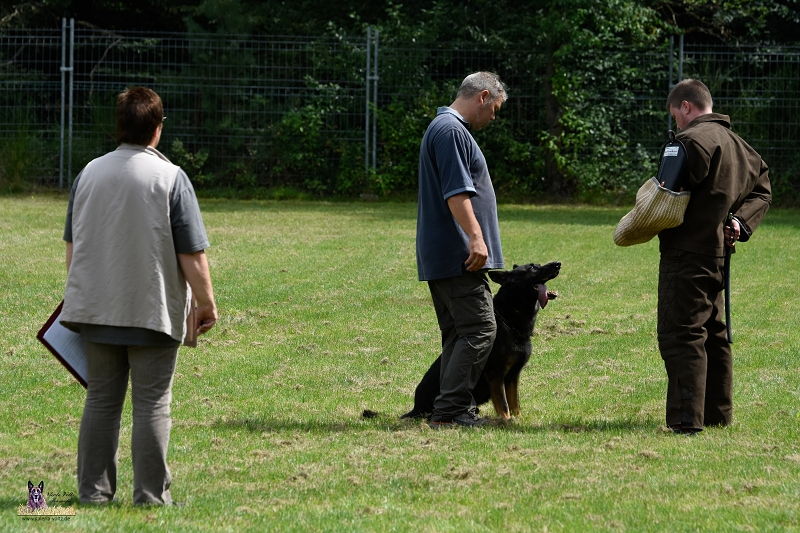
(726, 271)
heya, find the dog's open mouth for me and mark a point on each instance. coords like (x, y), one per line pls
(545, 295)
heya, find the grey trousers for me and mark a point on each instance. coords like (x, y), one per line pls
(465, 313)
(692, 338)
(151, 371)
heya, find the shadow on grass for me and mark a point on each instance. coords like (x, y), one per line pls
(391, 423)
(547, 214)
(383, 211)
(12, 503)
(564, 214)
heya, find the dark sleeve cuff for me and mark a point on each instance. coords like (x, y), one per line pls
(744, 231)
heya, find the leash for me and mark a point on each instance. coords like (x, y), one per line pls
(503, 320)
(726, 271)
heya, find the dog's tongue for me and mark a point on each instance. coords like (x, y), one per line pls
(542, 295)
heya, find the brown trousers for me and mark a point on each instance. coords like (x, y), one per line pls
(151, 371)
(693, 341)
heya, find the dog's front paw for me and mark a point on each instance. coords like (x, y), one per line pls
(504, 422)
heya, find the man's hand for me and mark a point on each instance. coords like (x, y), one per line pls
(478, 253)
(732, 233)
(206, 318)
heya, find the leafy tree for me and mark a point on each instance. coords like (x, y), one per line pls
(587, 72)
(580, 56)
(734, 21)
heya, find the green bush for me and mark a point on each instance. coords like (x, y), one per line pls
(191, 163)
(19, 160)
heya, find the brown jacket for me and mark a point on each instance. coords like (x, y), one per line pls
(726, 175)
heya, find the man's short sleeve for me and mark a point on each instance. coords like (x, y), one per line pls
(188, 231)
(453, 158)
(68, 224)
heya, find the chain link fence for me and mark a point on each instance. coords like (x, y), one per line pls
(245, 111)
(759, 87)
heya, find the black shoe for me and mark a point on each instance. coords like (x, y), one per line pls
(441, 424)
(468, 419)
(471, 420)
(678, 430)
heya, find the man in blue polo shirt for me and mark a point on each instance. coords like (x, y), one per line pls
(458, 240)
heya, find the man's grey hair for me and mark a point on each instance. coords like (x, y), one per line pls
(483, 81)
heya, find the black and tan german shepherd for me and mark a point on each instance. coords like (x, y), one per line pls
(36, 499)
(522, 293)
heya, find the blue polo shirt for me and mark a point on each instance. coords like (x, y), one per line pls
(450, 163)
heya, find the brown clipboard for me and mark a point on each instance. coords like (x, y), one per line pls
(190, 339)
(65, 345)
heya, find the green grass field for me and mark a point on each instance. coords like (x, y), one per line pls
(321, 317)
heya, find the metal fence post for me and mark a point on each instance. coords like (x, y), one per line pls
(371, 141)
(71, 84)
(63, 103)
(375, 99)
(671, 64)
(670, 85)
(366, 88)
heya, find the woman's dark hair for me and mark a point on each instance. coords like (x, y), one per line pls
(139, 112)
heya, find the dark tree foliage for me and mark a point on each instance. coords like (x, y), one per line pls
(153, 15)
(733, 21)
(581, 58)
(714, 20)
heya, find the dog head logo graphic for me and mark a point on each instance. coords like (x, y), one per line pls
(36, 496)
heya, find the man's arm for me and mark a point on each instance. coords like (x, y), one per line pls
(461, 207)
(755, 205)
(195, 269)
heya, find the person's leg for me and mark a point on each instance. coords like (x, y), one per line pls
(468, 302)
(98, 440)
(719, 379)
(684, 307)
(152, 370)
(446, 325)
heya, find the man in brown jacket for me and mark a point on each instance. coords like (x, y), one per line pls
(726, 176)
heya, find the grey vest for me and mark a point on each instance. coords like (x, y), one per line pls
(124, 269)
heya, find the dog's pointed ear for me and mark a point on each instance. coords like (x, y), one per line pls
(41, 486)
(498, 276)
(30, 485)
